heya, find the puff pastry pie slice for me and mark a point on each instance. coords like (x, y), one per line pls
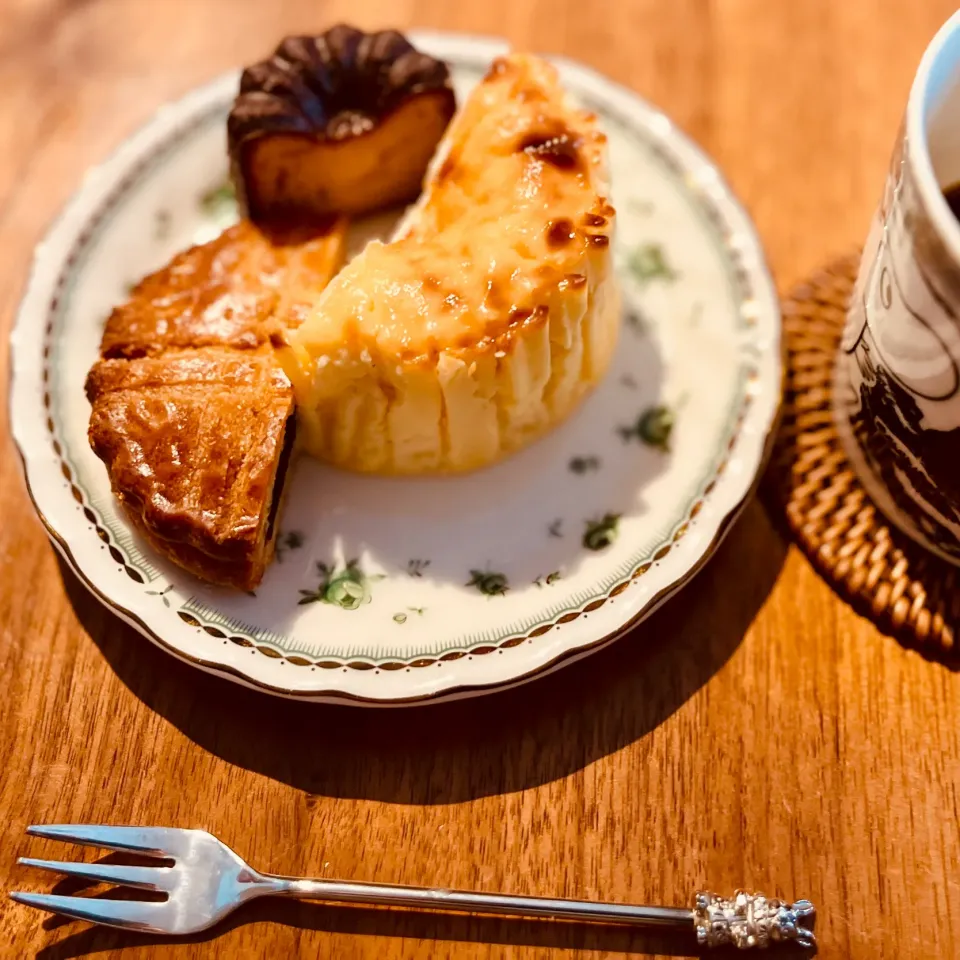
(197, 443)
(191, 413)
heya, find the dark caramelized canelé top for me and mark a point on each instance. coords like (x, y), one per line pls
(334, 86)
(345, 122)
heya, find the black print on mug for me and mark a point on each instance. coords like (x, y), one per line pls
(908, 344)
(906, 371)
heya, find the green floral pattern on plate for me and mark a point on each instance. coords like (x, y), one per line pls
(415, 567)
(402, 616)
(584, 464)
(601, 533)
(648, 262)
(347, 587)
(162, 594)
(549, 580)
(488, 583)
(286, 541)
(653, 427)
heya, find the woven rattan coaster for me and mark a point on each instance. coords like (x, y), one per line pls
(901, 587)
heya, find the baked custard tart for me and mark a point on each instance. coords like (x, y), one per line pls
(494, 310)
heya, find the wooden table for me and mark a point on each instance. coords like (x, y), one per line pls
(756, 732)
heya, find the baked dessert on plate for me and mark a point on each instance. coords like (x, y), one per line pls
(387, 589)
(482, 324)
(190, 411)
(344, 122)
(494, 311)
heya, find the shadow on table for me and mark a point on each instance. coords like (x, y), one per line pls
(446, 753)
(403, 924)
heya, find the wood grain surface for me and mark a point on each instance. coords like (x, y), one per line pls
(756, 732)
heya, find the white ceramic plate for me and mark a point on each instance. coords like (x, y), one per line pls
(395, 590)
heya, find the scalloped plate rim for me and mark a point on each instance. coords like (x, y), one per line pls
(738, 485)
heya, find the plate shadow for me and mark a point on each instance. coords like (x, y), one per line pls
(496, 743)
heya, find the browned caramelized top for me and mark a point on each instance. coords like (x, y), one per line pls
(332, 86)
(238, 290)
(508, 223)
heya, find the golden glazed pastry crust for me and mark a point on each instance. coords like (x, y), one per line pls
(191, 413)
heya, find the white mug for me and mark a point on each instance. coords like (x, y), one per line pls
(897, 380)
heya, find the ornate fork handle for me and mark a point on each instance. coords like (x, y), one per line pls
(752, 920)
(747, 920)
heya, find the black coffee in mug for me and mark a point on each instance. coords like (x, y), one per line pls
(952, 196)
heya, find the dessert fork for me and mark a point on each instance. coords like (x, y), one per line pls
(208, 880)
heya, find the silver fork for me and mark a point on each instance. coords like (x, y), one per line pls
(208, 880)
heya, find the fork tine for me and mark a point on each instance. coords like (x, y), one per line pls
(126, 914)
(158, 841)
(143, 878)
